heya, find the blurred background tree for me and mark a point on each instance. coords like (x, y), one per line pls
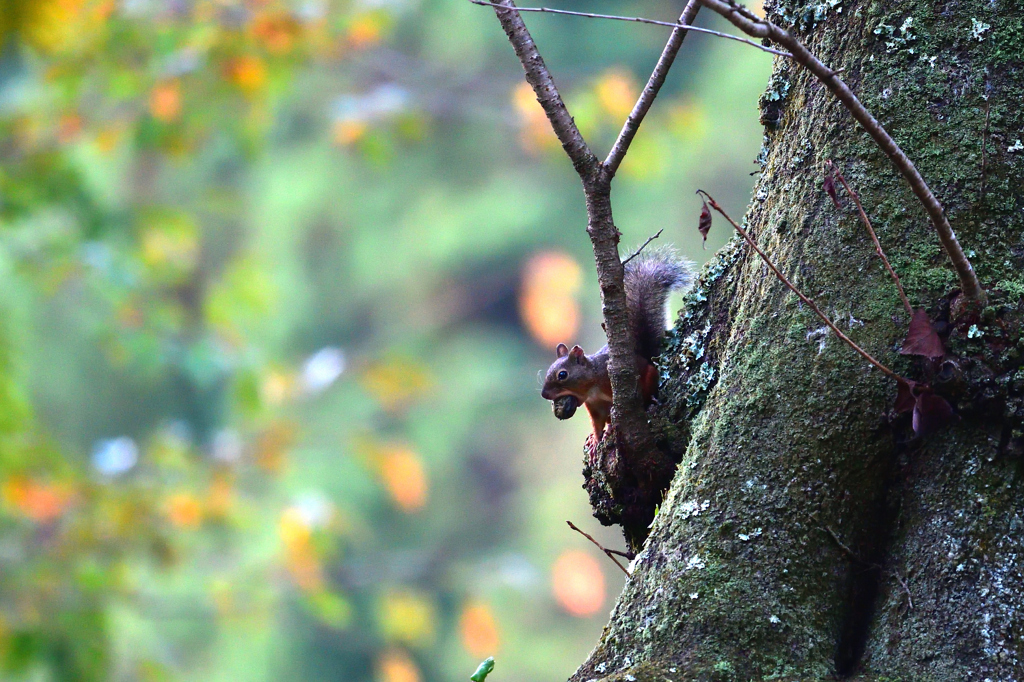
(277, 278)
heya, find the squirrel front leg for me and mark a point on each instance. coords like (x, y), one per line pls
(600, 414)
(600, 409)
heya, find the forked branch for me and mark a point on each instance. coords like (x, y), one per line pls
(756, 27)
(627, 409)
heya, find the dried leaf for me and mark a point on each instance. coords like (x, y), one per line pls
(830, 189)
(905, 400)
(922, 339)
(704, 225)
(931, 413)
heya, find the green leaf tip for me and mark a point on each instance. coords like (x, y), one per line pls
(483, 670)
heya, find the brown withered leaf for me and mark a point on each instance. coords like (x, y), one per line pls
(830, 188)
(704, 225)
(905, 399)
(921, 338)
(931, 413)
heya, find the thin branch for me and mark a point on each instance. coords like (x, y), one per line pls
(638, 20)
(627, 412)
(811, 304)
(910, 599)
(761, 28)
(839, 542)
(538, 76)
(654, 83)
(874, 238)
(643, 246)
(601, 547)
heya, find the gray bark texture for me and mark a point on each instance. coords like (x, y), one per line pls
(808, 533)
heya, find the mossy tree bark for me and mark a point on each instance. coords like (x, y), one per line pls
(808, 533)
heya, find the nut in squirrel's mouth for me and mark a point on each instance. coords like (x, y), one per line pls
(565, 406)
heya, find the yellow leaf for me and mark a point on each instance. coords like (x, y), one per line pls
(170, 243)
(407, 616)
(366, 30)
(688, 121)
(300, 554)
(617, 92)
(395, 381)
(248, 72)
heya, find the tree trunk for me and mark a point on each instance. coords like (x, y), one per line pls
(808, 532)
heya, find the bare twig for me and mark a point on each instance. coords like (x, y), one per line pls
(910, 599)
(654, 83)
(839, 543)
(756, 27)
(627, 406)
(608, 552)
(643, 246)
(811, 304)
(639, 20)
(538, 76)
(874, 238)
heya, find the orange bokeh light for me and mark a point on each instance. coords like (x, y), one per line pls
(165, 102)
(404, 477)
(40, 501)
(184, 510)
(578, 583)
(547, 301)
(478, 630)
(397, 666)
(277, 30)
(365, 31)
(248, 72)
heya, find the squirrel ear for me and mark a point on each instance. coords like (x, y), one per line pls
(561, 350)
(576, 353)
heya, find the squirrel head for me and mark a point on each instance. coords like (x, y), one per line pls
(571, 373)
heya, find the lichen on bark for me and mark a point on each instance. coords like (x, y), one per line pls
(804, 517)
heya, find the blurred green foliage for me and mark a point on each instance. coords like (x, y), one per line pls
(277, 278)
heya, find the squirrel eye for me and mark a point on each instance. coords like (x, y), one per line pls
(562, 375)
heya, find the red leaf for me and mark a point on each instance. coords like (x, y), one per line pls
(922, 339)
(905, 400)
(931, 413)
(830, 189)
(704, 225)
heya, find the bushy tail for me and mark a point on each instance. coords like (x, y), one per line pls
(648, 279)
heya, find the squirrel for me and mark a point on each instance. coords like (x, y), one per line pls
(576, 377)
